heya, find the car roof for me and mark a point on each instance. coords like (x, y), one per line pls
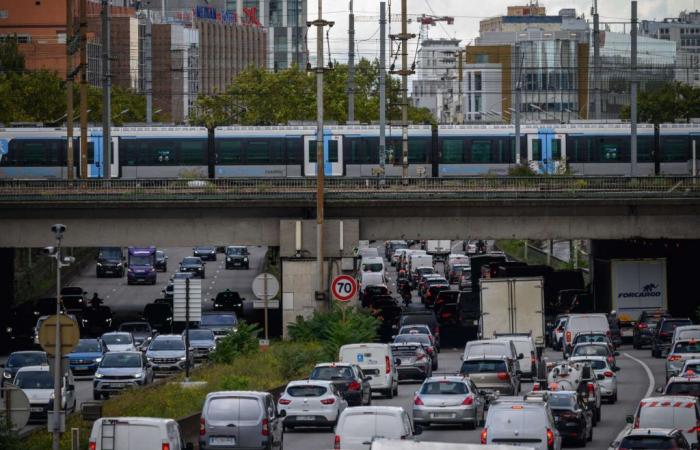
(43, 368)
(116, 332)
(588, 358)
(374, 409)
(334, 364)
(169, 336)
(669, 398)
(650, 432)
(139, 420)
(24, 352)
(325, 383)
(684, 379)
(439, 378)
(258, 394)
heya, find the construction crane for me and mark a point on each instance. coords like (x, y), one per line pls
(426, 21)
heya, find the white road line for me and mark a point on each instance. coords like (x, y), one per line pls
(650, 375)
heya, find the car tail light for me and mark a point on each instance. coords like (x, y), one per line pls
(568, 336)
(265, 427)
(387, 363)
(92, 446)
(663, 334)
(591, 388)
(484, 435)
(533, 360)
(503, 376)
(610, 359)
(642, 325)
(468, 401)
(608, 373)
(536, 387)
(328, 401)
(165, 446)
(446, 315)
(550, 437)
(568, 415)
(284, 401)
(636, 422)
(674, 357)
(202, 426)
(354, 386)
(417, 401)
(336, 444)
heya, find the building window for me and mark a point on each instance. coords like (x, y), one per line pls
(477, 81)
(482, 59)
(477, 102)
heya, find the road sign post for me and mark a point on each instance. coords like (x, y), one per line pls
(266, 287)
(187, 306)
(68, 337)
(344, 288)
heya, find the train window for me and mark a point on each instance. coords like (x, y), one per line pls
(229, 151)
(612, 149)
(453, 151)
(556, 149)
(610, 152)
(537, 149)
(481, 151)
(91, 153)
(276, 151)
(333, 151)
(258, 152)
(579, 149)
(34, 152)
(373, 151)
(645, 146)
(674, 149)
(193, 152)
(359, 151)
(157, 152)
(417, 151)
(312, 151)
(294, 151)
(505, 151)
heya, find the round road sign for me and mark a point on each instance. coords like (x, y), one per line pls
(344, 288)
(14, 402)
(265, 286)
(70, 335)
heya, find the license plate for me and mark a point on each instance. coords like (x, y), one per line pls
(443, 415)
(222, 441)
(116, 385)
(306, 418)
(36, 409)
(81, 368)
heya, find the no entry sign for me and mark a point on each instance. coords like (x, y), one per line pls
(344, 288)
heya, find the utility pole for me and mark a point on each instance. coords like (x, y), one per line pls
(83, 90)
(382, 87)
(596, 62)
(404, 72)
(351, 67)
(516, 107)
(69, 90)
(319, 23)
(106, 92)
(460, 79)
(633, 91)
(148, 76)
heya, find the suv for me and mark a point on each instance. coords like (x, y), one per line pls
(207, 252)
(661, 341)
(193, 264)
(119, 370)
(643, 332)
(110, 261)
(228, 301)
(221, 323)
(141, 331)
(167, 354)
(237, 257)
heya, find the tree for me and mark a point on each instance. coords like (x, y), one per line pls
(11, 60)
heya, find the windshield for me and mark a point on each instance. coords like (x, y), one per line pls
(117, 339)
(117, 360)
(590, 350)
(694, 367)
(590, 338)
(414, 330)
(647, 443)
(140, 260)
(236, 251)
(558, 401)
(34, 380)
(111, 253)
(682, 388)
(191, 261)
(444, 388)
(160, 254)
(425, 270)
(135, 327)
(89, 346)
(167, 344)
(26, 359)
(219, 319)
(201, 335)
(483, 366)
(595, 364)
(306, 391)
(372, 267)
(328, 373)
(687, 347)
(420, 338)
(673, 324)
(205, 249)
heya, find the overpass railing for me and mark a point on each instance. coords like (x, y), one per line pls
(545, 187)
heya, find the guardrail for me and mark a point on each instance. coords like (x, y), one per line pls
(564, 187)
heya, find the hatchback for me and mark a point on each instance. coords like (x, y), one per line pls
(449, 400)
(492, 375)
(679, 353)
(521, 423)
(20, 359)
(644, 329)
(348, 379)
(311, 403)
(359, 426)
(422, 339)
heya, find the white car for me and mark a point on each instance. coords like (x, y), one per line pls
(311, 403)
(692, 365)
(513, 421)
(361, 425)
(605, 373)
(127, 433)
(117, 341)
(37, 383)
(669, 411)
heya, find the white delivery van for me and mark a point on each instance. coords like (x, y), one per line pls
(359, 426)
(415, 261)
(371, 279)
(372, 264)
(375, 360)
(128, 433)
(583, 323)
(407, 256)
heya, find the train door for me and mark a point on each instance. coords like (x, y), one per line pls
(546, 152)
(332, 155)
(114, 163)
(94, 155)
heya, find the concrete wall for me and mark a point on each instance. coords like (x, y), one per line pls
(331, 238)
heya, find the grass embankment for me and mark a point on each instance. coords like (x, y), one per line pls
(516, 250)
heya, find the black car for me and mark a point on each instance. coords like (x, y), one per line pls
(413, 317)
(661, 341)
(159, 316)
(73, 299)
(571, 416)
(110, 261)
(644, 329)
(352, 384)
(193, 264)
(431, 290)
(206, 253)
(161, 262)
(237, 257)
(228, 301)
(369, 292)
(17, 360)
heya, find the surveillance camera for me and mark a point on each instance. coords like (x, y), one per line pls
(49, 251)
(58, 228)
(69, 259)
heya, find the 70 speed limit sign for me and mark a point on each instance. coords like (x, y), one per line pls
(344, 288)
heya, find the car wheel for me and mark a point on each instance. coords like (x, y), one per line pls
(396, 391)
(369, 399)
(389, 394)
(614, 398)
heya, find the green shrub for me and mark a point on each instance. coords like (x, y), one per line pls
(244, 341)
(522, 170)
(296, 359)
(8, 438)
(235, 383)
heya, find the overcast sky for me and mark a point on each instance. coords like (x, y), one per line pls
(467, 14)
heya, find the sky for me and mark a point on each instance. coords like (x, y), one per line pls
(467, 14)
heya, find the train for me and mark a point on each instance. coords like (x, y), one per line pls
(583, 149)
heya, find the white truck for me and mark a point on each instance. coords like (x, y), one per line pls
(512, 305)
(438, 248)
(637, 285)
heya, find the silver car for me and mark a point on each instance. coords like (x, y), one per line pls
(202, 342)
(679, 353)
(120, 370)
(167, 354)
(514, 421)
(449, 400)
(415, 362)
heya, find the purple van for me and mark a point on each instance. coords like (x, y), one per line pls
(141, 265)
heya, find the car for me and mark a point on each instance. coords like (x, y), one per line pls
(86, 356)
(686, 332)
(656, 438)
(141, 331)
(110, 261)
(159, 315)
(228, 301)
(449, 400)
(670, 411)
(456, 271)
(237, 256)
(161, 261)
(349, 380)
(117, 341)
(25, 358)
(167, 354)
(516, 421)
(605, 373)
(583, 323)
(579, 377)
(414, 361)
(74, 300)
(681, 351)
(378, 362)
(465, 280)
(425, 341)
(557, 336)
(431, 289)
(207, 252)
(41, 321)
(491, 347)
(417, 329)
(524, 344)
(686, 384)
(644, 329)
(571, 416)
(240, 419)
(493, 375)
(691, 367)
(359, 426)
(37, 382)
(390, 247)
(593, 338)
(372, 291)
(311, 403)
(221, 323)
(372, 264)
(193, 264)
(120, 370)
(424, 317)
(202, 342)
(595, 349)
(615, 329)
(127, 433)
(661, 340)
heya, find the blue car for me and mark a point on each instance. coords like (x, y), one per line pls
(86, 356)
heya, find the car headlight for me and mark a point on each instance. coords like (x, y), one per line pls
(98, 375)
(150, 358)
(119, 264)
(131, 270)
(98, 360)
(228, 259)
(183, 358)
(138, 375)
(245, 259)
(212, 348)
(99, 264)
(8, 329)
(7, 375)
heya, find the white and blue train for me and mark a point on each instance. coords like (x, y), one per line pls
(351, 151)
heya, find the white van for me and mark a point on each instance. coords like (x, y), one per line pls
(391, 444)
(377, 361)
(358, 427)
(405, 258)
(371, 279)
(372, 264)
(524, 345)
(415, 261)
(583, 323)
(669, 411)
(128, 433)
(367, 251)
(491, 347)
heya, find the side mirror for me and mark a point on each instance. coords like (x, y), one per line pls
(629, 419)
(418, 430)
(397, 361)
(660, 390)
(283, 413)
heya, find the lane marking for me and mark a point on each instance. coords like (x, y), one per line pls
(650, 375)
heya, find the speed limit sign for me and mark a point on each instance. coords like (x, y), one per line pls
(344, 288)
